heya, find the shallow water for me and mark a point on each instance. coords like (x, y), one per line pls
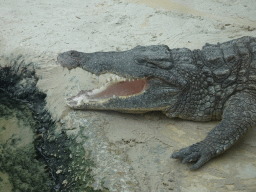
(19, 168)
(12, 130)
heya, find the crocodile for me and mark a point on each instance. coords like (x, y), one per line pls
(217, 82)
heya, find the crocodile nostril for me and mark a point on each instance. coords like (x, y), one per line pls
(74, 54)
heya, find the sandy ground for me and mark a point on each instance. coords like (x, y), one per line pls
(141, 143)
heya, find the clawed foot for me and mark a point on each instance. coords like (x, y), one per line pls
(198, 153)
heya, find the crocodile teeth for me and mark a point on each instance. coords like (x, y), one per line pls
(104, 79)
(114, 96)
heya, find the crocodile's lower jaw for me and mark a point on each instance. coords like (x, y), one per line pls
(119, 88)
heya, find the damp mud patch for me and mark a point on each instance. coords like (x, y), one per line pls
(32, 156)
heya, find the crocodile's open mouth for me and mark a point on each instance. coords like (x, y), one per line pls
(121, 88)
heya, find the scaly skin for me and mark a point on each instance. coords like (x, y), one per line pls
(215, 83)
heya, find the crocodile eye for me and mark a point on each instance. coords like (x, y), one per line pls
(141, 60)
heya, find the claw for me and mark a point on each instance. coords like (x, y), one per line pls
(199, 163)
(191, 158)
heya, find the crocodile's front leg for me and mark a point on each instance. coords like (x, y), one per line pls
(238, 116)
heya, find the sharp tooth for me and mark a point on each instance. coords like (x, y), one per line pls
(132, 79)
(124, 79)
(129, 79)
(114, 96)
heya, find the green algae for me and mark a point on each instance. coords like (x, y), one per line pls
(70, 160)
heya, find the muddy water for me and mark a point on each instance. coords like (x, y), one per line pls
(19, 169)
(13, 130)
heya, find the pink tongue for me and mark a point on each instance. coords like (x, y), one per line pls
(124, 88)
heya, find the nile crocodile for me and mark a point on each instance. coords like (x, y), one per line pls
(215, 83)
